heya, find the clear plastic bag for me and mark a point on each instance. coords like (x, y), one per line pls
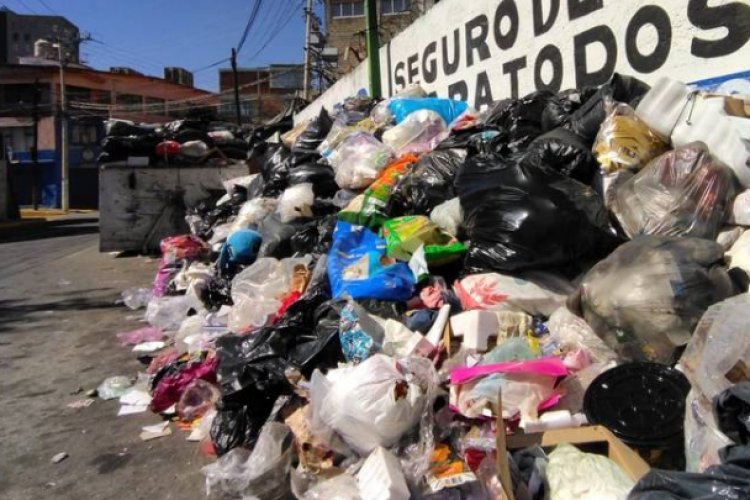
(739, 254)
(729, 235)
(296, 202)
(702, 438)
(341, 129)
(624, 141)
(717, 355)
(199, 397)
(358, 160)
(136, 298)
(374, 403)
(341, 487)
(167, 313)
(645, 298)
(253, 212)
(685, 192)
(114, 387)
(571, 332)
(257, 291)
(741, 209)
(262, 473)
(420, 132)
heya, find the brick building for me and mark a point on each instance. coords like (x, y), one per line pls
(346, 26)
(264, 92)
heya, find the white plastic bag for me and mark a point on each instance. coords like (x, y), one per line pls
(497, 292)
(253, 212)
(574, 475)
(358, 160)
(729, 235)
(420, 132)
(703, 440)
(448, 215)
(571, 332)
(739, 254)
(296, 202)
(374, 403)
(741, 209)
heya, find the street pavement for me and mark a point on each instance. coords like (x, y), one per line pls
(58, 321)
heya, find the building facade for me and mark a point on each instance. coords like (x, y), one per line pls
(19, 33)
(264, 91)
(346, 26)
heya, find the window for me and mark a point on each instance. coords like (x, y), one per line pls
(394, 6)
(155, 106)
(83, 134)
(128, 99)
(350, 8)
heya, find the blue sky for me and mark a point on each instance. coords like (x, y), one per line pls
(149, 34)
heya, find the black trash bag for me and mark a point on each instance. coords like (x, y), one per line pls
(275, 171)
(587, 120)
(216, 293)
(732, 412)
(320, 176)
(519, 120)
(188, 135)
(234, 153)
(522, 217)
(562, 105)
(386, 309)
(123, 128)
(305, 147)
(255, 188)
(277, 236)
(462, 138)
(730, 480)
(427, 185)
(232, 427)
(178, 126)
(565, 152)
(315, 237)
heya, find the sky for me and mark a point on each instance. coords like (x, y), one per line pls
(147, 35)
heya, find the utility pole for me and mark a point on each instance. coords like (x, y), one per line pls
(373, 48)
(257, 89)
(35, 148)
(308, 55)
(236, 88)
(64, 166)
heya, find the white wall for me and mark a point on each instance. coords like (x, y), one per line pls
(523, 45)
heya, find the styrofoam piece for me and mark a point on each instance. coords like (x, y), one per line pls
(662, 106)
(436, 332)
(475, 327)
(381, 477)
(673, 111)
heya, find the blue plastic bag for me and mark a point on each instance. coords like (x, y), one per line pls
(240, 248)
(448, 109)
(358, 267)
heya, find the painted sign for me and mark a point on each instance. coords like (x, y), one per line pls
(484, 50)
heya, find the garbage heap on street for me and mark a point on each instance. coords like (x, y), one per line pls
(408, 287)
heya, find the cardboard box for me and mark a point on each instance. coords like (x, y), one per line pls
(594, 439)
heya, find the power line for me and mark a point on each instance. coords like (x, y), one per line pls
(250, 22)
(44, 4)
(277, 30)
(24, 4)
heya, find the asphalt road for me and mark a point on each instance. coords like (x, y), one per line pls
(58, 321)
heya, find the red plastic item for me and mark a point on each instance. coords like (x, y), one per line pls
(168, 148)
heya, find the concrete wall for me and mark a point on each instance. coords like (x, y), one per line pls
(3, 190)
(481, 51)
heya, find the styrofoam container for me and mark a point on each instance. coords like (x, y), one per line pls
(475, 327)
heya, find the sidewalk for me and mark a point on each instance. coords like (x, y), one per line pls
(31, 218)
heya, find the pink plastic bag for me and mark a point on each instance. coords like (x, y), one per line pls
(170, 388)
(145, 334)
(551, 367)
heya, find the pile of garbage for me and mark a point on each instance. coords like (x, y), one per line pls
(407, 281)
(190, 141)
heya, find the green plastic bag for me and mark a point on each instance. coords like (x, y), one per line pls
(404, 235)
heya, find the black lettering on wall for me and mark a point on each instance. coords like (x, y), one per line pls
(580, 8)
(450, 67)
(412, 69)
(734, 16)
(483, 95)
(598, 34)
(477, 42)
(512, 68)
(458, 91)
(659, 19)
(541, 25)
(507, 8)
(429, 63)
(552, 54)
(399, 76)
